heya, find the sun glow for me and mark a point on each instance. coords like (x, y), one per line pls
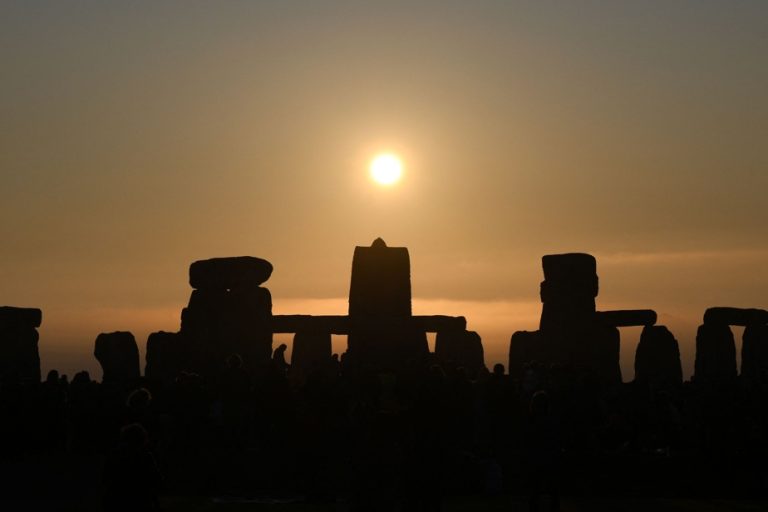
(386, 169)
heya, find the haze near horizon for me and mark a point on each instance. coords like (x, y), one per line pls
(139, 138)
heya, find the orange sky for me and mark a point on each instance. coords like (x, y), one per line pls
(139, 138)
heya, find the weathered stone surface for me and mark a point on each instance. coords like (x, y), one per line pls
(381, 281)
(165, 357)
(735, 316)
(627, 318)
(19, 355)
(118, 355)
(12, 317)
(715, 355)
(460, 349)
(657, 358)
(754, 355)
(229, 273)
(311, 350)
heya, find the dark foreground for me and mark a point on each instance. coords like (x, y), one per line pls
(425, 438)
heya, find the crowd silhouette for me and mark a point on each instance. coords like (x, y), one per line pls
(409, 432)
(410, 438)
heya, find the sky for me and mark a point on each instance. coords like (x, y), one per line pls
(138, 137)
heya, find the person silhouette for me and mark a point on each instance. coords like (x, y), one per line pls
(278, 358)
(131, 478)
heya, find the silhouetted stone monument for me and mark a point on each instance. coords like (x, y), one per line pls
(229, 273)
(118, 355)
(525, 347)
(14, 318)
(735, 316)
(460, 349)
(382, 334)
(568, 291)
(228, 312)
(571, 332)
(311, 350)
(165, 356)
(754, 355)
(382, 344)
(19, 355)
(657, 359)
(715, 355)
(716, 350)
(381, 281)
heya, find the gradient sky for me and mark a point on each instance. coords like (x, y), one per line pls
(137, 137)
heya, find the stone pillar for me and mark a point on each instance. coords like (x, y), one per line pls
(657, 359)
(718, 352)
(570, 332)
(381, 281)
(715, 355)
(311, 350)
(602, 355)
(568, 292)
(754, 355)
(385, 344)
(460, 349)
(382, 335)
(118, 355)
(228, 312)
(164, 357)
(524, 347)
(19, 355)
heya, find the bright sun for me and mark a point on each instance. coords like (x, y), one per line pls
(386, 169)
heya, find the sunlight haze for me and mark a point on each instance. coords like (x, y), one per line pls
(139, 137)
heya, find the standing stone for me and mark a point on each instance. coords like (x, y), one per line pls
(385, 344)
(568, 291)
(228, 313)
(570, 267)
(382, 335)
(754, 355)
(118, 355)
(657, 359)
(381, 281)
(524, 347)
(164, 357)
(571, 333)
(717, 362)
(715, 355)
(460, 349)
(311, 350)
(19, 355)
(601, 356)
